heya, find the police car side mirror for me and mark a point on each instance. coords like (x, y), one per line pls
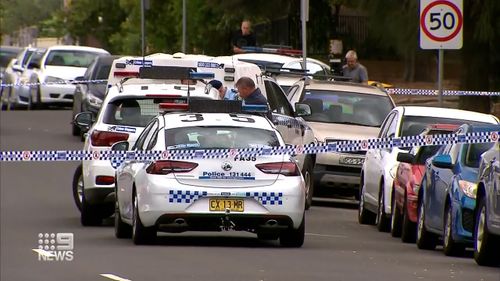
(84, 120)
(302, 109)
(120, 146)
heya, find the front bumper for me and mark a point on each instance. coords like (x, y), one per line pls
(57, 93)
(463, 218)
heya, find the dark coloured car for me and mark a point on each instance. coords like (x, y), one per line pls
(89, 96)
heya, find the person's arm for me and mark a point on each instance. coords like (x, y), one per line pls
(363, 75)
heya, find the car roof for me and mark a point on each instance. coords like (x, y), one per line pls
(442, 112)
(11, 49)
(483, 127)
(344, 86)
(80, 48)
(173, 120)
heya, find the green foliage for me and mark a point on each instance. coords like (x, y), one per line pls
(16, 14)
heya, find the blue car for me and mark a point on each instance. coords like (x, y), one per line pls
(447, 196)
(487, 220)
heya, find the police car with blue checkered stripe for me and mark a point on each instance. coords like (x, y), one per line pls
(219, 188)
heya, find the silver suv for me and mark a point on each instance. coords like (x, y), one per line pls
(341, 112)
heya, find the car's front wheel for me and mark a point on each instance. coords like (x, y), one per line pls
(90, 214)
(122, 230)
(141, 235)
(307, 173)
(395, 220)
(408, 229)
(381, 221)
(364, 215)
(450, 246)
(486, 244)
(78, 187)
(425, 239)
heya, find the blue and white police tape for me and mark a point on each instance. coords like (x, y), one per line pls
(426, 92)
(117, 157)
(62, 82)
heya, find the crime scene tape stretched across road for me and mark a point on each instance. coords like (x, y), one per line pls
(392, 91)
(424, 92)
(117, 157)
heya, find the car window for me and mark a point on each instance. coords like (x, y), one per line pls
(140, 140)
(474, 152)
(329, 106)
(277, 100)
(90, 69)
(153, 128)
(386, 124)
(391, 131)
(414, 125)
(130, 112)
(219, 137)
(292, 92)
(314, 68)
(73, 58)
(24, 57)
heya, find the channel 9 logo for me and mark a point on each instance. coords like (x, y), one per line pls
(55, 246)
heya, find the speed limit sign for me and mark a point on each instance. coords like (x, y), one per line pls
(441, 24)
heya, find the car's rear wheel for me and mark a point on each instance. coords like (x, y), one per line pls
(141, 235)
(409, 228)
(364, 215)
(381, 220)
(450, 246)
(486, 244)
(78, 187)
(122, 230)
(294, 238)
(425, 239)
(307, 173)
(395, 219)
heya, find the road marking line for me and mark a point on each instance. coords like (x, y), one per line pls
(327, 235)
(43, 253)
(114, 277)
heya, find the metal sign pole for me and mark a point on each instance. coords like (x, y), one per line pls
(184, 26)
(440, 76)
(143, 43)
(303, 13)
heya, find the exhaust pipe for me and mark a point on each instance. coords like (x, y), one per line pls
(180, 221)
(271, 222)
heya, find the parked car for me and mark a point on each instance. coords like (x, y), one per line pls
(89, 96)
(407, 182)
(21, 92)
(59, 65)
(341, 111)
(487, 211)
(379, 168)
(447, 197)
(8, 56)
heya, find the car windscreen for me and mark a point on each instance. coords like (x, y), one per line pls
(212, 137)
(73, 58)
(474, 152)
(347, 107)
(414, 125)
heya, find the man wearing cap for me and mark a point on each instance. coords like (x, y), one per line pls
(224, 92)
(248, 92)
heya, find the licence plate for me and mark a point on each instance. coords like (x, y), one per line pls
(352, 161)
(219, 204)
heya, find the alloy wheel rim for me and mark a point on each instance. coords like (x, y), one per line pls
(393, 215)
(420, 221)
(480, 229)
(307, 180)
(447, 229)
(79, 188)
(361, 200)
(134, 217)
(380, 207)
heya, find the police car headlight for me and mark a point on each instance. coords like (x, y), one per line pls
(55, 80)
(93, 100)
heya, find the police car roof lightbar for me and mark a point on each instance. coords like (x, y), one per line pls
(260, 108)
(279, 51)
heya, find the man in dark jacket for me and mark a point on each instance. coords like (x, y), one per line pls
(244, 37)
(248, 92)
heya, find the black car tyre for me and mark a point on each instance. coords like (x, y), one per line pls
(78, 187)
(395, 219)
(381, 220)
(122, 230)
(486, 244)
(294, 238)
(408, 228)
(425, 239)
(90, 214)
(307, 173)
(141, 235)
(450, 246)
(364, 215)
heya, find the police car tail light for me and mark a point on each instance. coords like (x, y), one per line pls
(172, 106)
(165, 167)
(103, 138)
(104, 180)
(284, 168)
(133, 74)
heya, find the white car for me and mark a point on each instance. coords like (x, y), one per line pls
(275, 62)
(126, 109)
(60, 65)
(379, 168)
(263, 194)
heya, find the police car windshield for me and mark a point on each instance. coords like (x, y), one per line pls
(212, 137)
(347, 107)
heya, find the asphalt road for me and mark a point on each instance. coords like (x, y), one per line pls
(36, 198)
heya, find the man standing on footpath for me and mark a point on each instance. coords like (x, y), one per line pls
(353, 69)
(244, 37)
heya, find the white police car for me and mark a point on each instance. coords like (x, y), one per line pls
(127, 108)
(262, 194)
